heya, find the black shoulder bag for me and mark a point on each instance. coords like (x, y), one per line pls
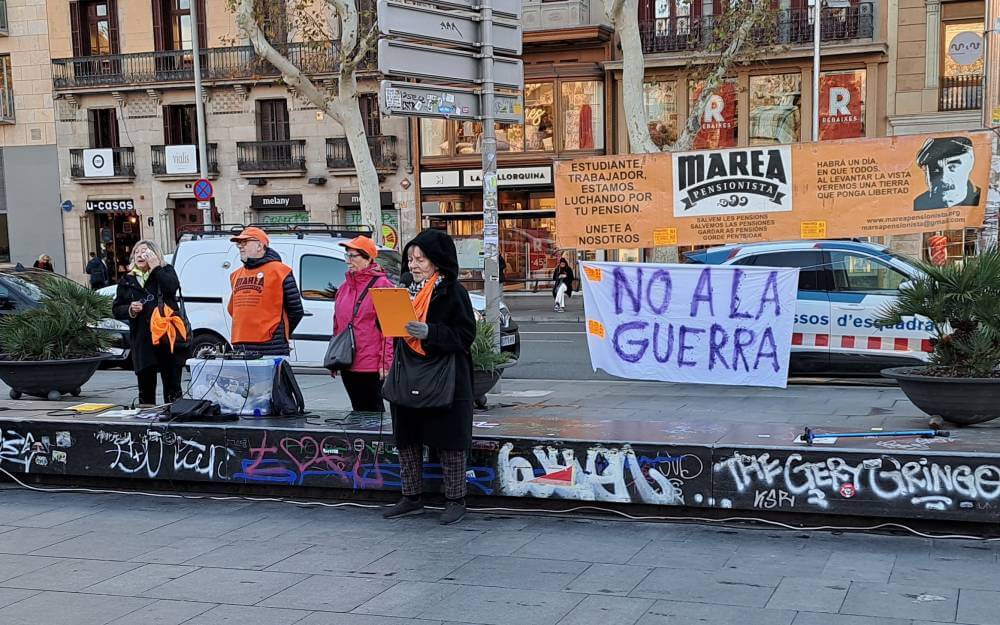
(340, 351)
(416, 381)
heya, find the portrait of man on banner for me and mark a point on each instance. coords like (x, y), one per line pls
(947, 164)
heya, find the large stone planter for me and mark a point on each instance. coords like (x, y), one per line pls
(963, 401)
(50, 379)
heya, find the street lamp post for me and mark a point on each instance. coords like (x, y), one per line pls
(991, 119)
(199, 105)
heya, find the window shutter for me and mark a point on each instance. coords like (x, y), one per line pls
(74, 26)
(113, 26)
(202, 25)
(159, 42)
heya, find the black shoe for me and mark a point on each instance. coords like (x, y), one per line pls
(453, 512)
(404, 507)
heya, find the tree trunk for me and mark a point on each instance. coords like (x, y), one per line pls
(348, 113)
(624, 15)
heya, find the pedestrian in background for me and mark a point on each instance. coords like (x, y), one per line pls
(563, 287)
(149, 282)
(44, 263)
(266, 305)
(445, 325)
(372, 351)
(97, 271)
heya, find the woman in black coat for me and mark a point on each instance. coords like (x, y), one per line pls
(150, 281)
(448, 326)
(563, 287)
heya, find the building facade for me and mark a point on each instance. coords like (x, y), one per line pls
(30, 213)
(565, 116)
(123, 81)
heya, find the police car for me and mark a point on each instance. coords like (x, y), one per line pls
(842, 287)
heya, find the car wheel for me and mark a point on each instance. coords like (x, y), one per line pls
(207, 345)
(15, 394)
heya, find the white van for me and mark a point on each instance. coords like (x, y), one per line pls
(842, 287)
(204, 262)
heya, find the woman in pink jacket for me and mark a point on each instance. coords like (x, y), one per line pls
(372, 351)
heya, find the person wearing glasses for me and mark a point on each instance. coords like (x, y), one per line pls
(150, 280)
(266, 305)
(372, 350)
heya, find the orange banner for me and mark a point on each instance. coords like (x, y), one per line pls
(833, 189)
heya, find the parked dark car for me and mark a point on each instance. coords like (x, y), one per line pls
(19, 289)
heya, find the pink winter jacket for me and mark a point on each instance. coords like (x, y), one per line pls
(371, 349)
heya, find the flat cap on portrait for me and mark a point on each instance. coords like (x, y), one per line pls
(935, 150)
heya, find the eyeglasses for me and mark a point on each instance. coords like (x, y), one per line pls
(351, 255)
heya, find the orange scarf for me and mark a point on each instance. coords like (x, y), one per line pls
(166, 325)
(421, 303)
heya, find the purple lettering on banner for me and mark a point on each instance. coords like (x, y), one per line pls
(715, 346)
(656, 342)
(642, 344)
(742, 339)
(772, 286)
(734, 297)
(622, 284)
(684, 347)
(772, 353)
(703, 293)
(660, 275)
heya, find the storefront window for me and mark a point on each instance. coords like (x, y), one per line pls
(539, 116)
(775, 109)
(842, 104)
(661, 111)
(583, 115)
(434, 137)
(720, 120)
(469, 137)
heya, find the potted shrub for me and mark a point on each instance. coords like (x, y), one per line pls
(56, 347)
(487, 364)
(961, 383)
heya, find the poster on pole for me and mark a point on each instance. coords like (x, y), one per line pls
(831, 189)
(692, 324)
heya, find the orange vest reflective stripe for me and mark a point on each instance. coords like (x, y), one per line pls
(258, 302)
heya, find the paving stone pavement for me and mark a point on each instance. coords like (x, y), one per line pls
(117, 559)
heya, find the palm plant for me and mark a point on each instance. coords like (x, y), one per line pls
(484, 358)
(963, 303)
(61, 327)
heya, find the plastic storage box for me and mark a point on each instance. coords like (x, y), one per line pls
(240, 387)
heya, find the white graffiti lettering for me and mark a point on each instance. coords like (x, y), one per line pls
(136, 453)
(933, 485)
(17, 449)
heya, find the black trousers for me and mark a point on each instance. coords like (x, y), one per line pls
(171, 376)
(364, 389)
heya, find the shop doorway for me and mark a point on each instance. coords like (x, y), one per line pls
(188, 217)
(117, 234)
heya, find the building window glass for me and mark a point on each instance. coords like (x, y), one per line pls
(963, 48)
(180, 125)
(539, 116)
(583, 115)
(720, 120)
(660, 99)
(6, 89)
(103, 128)
(4, 239)
(842, 104)
(775, 109)
(434, 137)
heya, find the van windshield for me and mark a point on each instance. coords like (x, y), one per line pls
(392, 262)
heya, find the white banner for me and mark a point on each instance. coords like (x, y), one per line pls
(99, 163)
(181, 159)
(695, 324)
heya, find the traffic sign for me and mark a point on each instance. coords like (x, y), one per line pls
(445, 26)
(204, 205)
(397, 58)
(67, 206)
(432, 101)
(506, 8)
(203, 190)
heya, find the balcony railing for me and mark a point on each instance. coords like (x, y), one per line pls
(383, 149)
(159, 154)
(787, 27)
(256, 156)
(961, 93)
(217, 64)
(122, 158)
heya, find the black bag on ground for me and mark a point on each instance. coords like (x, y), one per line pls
(198, 410)
(417, 381)
(340, 352)
(286, 396)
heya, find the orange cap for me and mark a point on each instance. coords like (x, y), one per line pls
(363, 244)
(252, 234)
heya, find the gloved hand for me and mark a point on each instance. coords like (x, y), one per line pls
(416, 329)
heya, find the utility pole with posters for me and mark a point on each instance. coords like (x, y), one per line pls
(991, 119)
